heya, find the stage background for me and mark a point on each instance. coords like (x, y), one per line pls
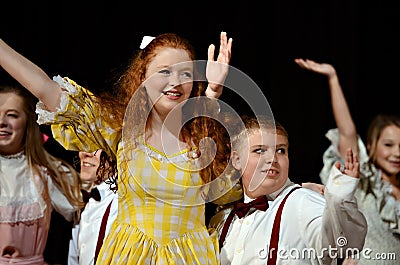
(90, 41)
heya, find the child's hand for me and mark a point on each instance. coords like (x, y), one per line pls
(352, 166)
(217, 71)
(320, 68)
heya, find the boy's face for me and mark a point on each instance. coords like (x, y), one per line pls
(263, 162)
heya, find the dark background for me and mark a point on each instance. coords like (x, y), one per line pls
(91, 41)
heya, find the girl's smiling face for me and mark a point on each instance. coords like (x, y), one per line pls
(388, 151)
(13, 122)
(169, 79)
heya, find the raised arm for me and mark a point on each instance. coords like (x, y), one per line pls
(338, 230)
(30, 76)
(341, 112)
(217, 71)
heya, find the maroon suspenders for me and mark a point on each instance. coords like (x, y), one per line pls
(273, 243)
(102, 231)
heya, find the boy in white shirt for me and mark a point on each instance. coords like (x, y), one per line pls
(97, 171)
(312, 228)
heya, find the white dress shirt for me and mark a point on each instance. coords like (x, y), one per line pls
(82, 246)
(309, 222)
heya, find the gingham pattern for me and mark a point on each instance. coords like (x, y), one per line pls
(161, 213)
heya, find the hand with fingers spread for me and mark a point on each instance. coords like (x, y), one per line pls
(260, 155)
(352, 165)
(161, 73)
(374, 161)
(217, 71)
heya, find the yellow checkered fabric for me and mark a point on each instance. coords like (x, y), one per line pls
(161, 208)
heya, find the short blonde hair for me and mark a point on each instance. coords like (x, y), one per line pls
(250, 124)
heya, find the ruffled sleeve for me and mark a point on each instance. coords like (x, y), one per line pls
(389, 207)
(370, 180)
(77, 124)
(332, 155)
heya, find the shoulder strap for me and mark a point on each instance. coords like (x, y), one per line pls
(226, 227)
(102, 231)
(273, 244)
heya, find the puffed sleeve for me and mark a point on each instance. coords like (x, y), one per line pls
(332, 154)
(370, 180)
(77, 124)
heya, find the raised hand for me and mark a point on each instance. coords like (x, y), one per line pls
(320, 68)
(352, 165)
(217, 71)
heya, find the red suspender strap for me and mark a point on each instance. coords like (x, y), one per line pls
(102, 231)
(226, 227)
(273, 244)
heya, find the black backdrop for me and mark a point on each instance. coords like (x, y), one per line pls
(89, 41)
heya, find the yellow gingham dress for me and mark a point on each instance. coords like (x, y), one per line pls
(161, 211)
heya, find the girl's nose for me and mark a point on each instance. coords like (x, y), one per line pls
(3, 122)
(174, 80)
(397, 151)
(84, 154)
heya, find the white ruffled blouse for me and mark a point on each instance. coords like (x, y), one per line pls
(24, 215)
(375, 201)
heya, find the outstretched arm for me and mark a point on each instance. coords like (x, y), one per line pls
(217, 71)
(341, 112)
(30, 76)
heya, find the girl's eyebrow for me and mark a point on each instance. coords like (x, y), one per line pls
(259, 146)
(14, 110)
(280, 145)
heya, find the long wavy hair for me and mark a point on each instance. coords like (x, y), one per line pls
(61, 172)
(197, 128)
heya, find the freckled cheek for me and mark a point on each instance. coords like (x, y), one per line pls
(155, 85)
(187, 87)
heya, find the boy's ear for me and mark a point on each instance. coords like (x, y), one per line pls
(236, 161)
